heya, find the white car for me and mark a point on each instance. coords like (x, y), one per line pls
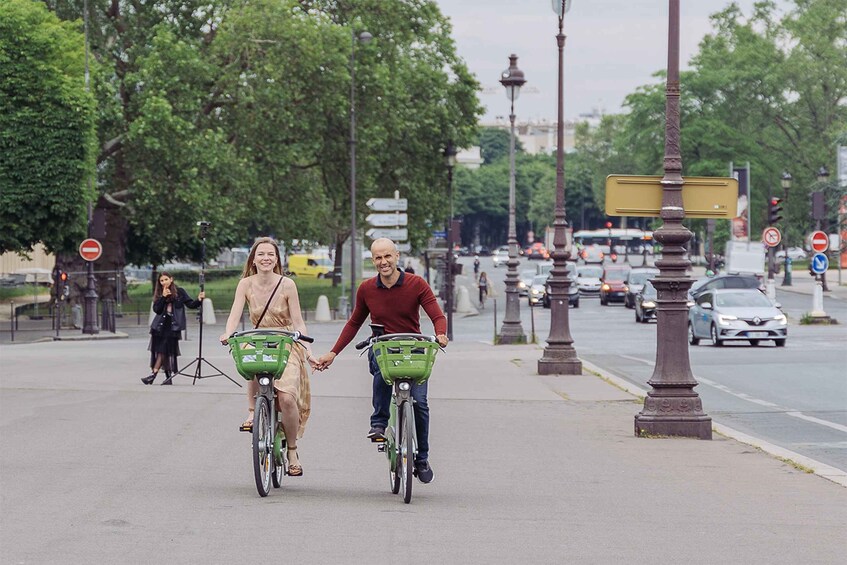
(794, 253)
(501, 256)
(588, 279)
(525, 281)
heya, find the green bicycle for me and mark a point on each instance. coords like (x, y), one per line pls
(404, 360)
(262, 354)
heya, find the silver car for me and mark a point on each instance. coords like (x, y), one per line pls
(500, 256)
(525, 281)
(733, 314)
(588, 279)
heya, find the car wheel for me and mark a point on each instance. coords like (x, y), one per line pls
(715, 340)
(576, 304)
(692, 339)
(779, 342)
(754, 342)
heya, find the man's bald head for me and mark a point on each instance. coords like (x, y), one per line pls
(384, 245)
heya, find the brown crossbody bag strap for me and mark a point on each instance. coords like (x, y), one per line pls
(265, 311)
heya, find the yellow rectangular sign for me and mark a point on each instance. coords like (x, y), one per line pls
(702, 197)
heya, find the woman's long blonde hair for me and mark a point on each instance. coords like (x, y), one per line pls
(250, 268)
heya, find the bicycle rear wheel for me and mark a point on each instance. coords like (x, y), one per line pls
(262, 446)
(406, 461)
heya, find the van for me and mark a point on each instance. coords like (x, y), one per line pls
(310, 266)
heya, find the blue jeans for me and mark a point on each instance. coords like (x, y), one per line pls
(382, 401)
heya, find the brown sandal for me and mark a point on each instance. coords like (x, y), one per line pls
(294, 470)
(247, 426)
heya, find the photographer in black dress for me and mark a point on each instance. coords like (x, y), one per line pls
(169, 303)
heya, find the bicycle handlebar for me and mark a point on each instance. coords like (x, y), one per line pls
(390, 337)
(296, 336)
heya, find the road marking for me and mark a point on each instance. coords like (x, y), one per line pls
(827, 423)
(645, 361)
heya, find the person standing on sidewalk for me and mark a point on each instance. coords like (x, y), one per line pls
(169, 304)
(483, 288)
(393, 299)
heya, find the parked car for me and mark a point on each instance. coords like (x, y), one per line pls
(613, 288)
(732, 314)
(500, 256)
(525, 281)
(794, 253)
(645, 303)
(592, 254)
(724, 280)
(635, 282)
(573, 289)
(588, 279)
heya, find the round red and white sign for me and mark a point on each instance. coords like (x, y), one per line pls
(819, 241)
(90, 249)
(771, 236)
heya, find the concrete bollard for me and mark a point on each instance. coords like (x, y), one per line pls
(208, 313)
(322, 313)
(463, 304)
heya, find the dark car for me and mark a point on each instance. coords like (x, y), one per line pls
(537, 251)
(573, 290)
(645, 303)
(613, 287)
(635, 282)
(724, 281)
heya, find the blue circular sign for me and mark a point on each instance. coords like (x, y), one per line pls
(820, 263)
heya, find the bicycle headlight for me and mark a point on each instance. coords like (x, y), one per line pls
(404, 386)
(264, 381)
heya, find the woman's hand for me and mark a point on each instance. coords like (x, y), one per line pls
(166, 292)
(223, 339)
(202, 295)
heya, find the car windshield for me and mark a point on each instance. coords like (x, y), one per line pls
(640, 278)
(528, 274)
(649, 291)
(615, 274)
(741, 299)
(539, 280)
(589, 272)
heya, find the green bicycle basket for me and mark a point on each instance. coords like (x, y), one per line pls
(260, 354)
(405, 358)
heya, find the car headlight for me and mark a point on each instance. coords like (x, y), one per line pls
(521, 284)
(606, 287)
(724, 319)
(648, 304)
(780, 319)
(536, 291)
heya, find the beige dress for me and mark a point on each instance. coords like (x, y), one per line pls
(295, 377)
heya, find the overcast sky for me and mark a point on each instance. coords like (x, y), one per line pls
(612, 47)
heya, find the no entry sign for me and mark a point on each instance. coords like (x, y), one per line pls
(819, 241)
(90, 249)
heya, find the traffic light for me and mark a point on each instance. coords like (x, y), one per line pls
(609, 225)
(64, 286)
(775, 211)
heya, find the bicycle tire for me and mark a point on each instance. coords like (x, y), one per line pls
(407, 450)
(393, 448)
(279, 464)
(262, 446)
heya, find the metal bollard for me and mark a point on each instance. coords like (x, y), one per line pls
(495, 320)
(12, 318)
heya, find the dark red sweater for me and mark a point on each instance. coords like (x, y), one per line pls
(397, 308)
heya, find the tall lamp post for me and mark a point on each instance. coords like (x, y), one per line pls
(89, 317)
(363, 37)
(786, 186)
(820, 216)
(450, 161)
(560, 356)
(672, 408)
(512, 331)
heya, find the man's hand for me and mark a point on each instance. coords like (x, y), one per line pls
(442, 340)
(324, 361)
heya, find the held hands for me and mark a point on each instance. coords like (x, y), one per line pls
(323, 362)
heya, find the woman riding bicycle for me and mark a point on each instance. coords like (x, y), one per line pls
(274, 303)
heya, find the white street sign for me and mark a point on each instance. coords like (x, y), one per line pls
(388, 220)
(404, 247)
(388, 204)
(396, 234)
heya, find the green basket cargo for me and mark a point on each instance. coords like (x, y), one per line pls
(405, 358)
(260, 354)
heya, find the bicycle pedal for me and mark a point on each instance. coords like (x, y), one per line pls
(381, 447)
(377, 440)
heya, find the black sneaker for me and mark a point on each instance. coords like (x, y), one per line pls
(377, 433)
(423, 471)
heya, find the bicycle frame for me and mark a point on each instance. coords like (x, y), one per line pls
(400, 398)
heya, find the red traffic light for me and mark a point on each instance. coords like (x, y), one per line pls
(63, 276)
(609, 224)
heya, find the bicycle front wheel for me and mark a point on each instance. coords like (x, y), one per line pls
(263, 463)
(407, 451)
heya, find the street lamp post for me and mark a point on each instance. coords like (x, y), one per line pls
(89, 317)
(450, 161)
(364, 37)
(786, 186)
(560, 356)
(672, 408)
(512, 331)
(823, 177)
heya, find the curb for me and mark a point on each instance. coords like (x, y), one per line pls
(821, 469)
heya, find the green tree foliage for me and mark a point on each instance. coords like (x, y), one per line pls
(494, 143)
(46, 129)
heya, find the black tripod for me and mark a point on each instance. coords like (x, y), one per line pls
(198, 361)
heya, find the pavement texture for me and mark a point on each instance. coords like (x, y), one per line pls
(529, 469)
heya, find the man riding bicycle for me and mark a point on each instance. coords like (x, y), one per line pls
(393, 299)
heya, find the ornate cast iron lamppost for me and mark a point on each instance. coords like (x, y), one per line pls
(672, 408)
(559, 356)
(364, 37)
(786, 186)
(511, 331)
(450, 161)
